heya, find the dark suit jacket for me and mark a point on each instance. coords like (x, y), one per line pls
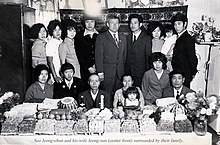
(138, 53)
(168, 92)
(184, 55)
(85, 50)
(108, 57)
(90, 103)
(61, 90)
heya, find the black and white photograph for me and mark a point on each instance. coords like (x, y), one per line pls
(109, 72)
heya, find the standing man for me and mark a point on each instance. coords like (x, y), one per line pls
(139, 49)
(184, 54)
(110, 55)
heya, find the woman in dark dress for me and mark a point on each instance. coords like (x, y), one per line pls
(85, 47)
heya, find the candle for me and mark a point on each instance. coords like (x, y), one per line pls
(102, 102)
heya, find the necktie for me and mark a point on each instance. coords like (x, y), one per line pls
(134, 38)
(116, 40)
(177, 95)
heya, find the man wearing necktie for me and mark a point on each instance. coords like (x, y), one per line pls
(139, 49)
(177, 89)
(110, 55)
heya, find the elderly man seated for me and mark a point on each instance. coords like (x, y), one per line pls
(94, 97)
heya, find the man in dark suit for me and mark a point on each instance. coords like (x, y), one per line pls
(139, 49)
(70, 86)
(92, 98)
(184, 55)
(177, 88)
(110, 55)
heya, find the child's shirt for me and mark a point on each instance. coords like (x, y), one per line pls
(169, 41)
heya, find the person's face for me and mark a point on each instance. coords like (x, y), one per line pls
(71, 33)
(180, 26)
(68, 74)
(57, 32)
(113, 25)
(169, 33)
(135, 25)
(43, 77)
(132, 96)
(127, 82)
(90, 24)
(158, 65)
(94, 82)
(177, 81)
(42, 33)
(156, 33)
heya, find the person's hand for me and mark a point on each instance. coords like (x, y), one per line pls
(58, 79)
(101, 76)
(92, 70)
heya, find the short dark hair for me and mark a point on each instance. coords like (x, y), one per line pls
(139, 17)
(132, 90)
(176, 71)
(126, 75)
(158, 56)
(35, 29)
(87, 17)
(179, 17)
(66, 25)
(112, 16)
(38, 69)
(92, 75)
(152, 26)
(66, 66)
(168, 28)
(52, 26)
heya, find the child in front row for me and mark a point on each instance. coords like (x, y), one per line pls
(156, 79)
(132, 98)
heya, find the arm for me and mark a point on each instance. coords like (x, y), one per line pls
(141, 97)
(115, 101)
(191, 52)
(29, 94)
(50, 64)
(62, 52)
(145, 86)
(148, 51)
(99, 50)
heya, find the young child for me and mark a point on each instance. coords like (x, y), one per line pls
(156, 79)
(132, 98)
(127, 81)
(155, 30)
(169, 43)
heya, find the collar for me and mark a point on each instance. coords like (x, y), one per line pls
(94, 95)
(68, 40)
(67, 82)
(114, 33)
(90, 33)
(181, 33)
(175, 91)
(137, 34)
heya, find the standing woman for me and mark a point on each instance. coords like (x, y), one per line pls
(155, 30)
(67, 51)
(85, 47)
(54, 29)
(38, 32)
